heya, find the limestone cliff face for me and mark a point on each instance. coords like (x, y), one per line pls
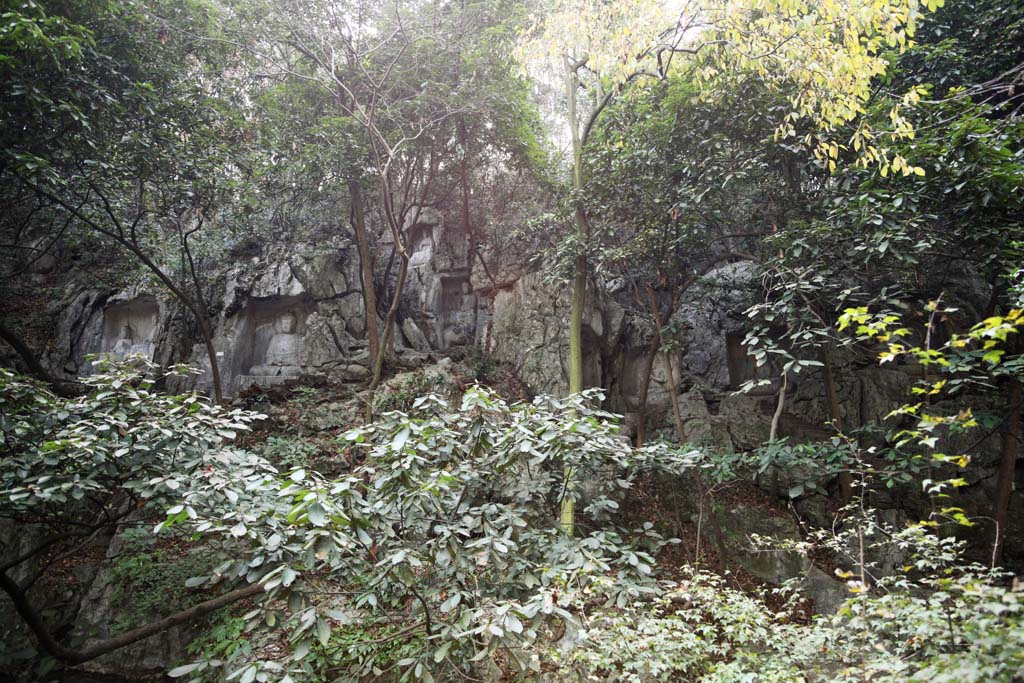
(295, 311)
(314, 287)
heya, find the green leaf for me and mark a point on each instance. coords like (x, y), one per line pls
(449, 604)
(316, 514)
(323, 631)
(180, 671)
(400, 438)
(441, 652)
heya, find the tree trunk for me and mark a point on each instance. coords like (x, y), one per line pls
(389, 325)
(211, 352)
(677, 413)
(579, 288)
(60, 387)
(645, 387)
(365, 266)
(579, 282)
(200, 311)
(52, 646)
(773, 433)
(836, 418)
(1008, 452)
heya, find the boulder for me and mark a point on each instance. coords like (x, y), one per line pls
(756, 539)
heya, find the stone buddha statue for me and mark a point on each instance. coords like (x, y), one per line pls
(128, 343)
(283, 351)
(125, 343)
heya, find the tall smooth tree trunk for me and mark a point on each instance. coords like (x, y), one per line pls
(579, 282)
(1008, 453)
(365, 266)
(677, 412)
(579, 288)
(773, 432)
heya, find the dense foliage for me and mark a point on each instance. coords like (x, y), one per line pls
(857, 165)
(447, 531)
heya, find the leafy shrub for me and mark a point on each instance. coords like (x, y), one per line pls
(149, 583)
(448, 534)
(67, 456)
(807, 465)
(289, 453)
(74, 469)
(956, 625)
(223, 638)
(376, 649)
(401, 392)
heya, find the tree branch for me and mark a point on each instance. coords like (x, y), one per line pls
(68, 655)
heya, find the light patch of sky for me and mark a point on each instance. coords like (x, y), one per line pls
(549, 86)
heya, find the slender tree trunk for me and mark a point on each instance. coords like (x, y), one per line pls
(1008, 452)
(211, 352)
(365, 266)
(677, 413)
(389, 325)
(773, 433)
(645, 387)
(204, 327)
(836, 418)
(579, 283)
(579, 288)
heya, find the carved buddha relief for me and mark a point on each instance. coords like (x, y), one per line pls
(129, 328)
(284, 351)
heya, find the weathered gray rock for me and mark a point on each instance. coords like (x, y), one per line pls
(414, 336)
(748, 417)
(827, 593)
(529, 330)
(703, 428)
(882, 390)
(739, 524)
(713, 313)
(79, 331)
(742, 531)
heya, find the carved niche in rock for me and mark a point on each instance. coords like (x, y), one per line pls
(283, 354)
(457, 319)
(129, 328)
(421, 241)
(270, 343)
(742, 366)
